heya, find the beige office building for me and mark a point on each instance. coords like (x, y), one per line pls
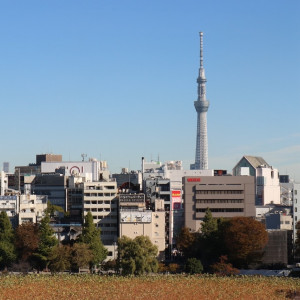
(136, 220)
(225, 196)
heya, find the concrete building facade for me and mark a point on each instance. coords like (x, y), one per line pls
(225, 196)
(32, 208)
(266, 178)
(136, 220)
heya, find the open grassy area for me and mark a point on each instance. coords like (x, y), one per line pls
(148, 287)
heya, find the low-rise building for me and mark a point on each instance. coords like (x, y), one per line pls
(10, 205)
(136, 220)
(32, 208)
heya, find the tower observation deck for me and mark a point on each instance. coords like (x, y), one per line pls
(201, 106)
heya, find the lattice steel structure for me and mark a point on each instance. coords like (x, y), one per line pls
(201, 106)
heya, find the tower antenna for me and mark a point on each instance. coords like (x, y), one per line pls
(201, 106)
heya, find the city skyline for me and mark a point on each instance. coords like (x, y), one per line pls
(117, 81)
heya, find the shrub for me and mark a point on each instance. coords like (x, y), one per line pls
(193, 266)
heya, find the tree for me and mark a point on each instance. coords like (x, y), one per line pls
(60, 258)
(193, 266)
(47, 241)
(27, 240)
(137, 256)
(297, 243)
(223, 268)
(209, 224)
(91, 236)
(52, 209)
(81, 255)
(245, 239)
(7, 248)
(185, 241)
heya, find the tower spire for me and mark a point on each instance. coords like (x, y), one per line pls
(201, 106)
(201, 49)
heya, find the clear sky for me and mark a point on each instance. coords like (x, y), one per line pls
(117, 80)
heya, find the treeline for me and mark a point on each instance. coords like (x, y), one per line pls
(34, 246)
(222, 245)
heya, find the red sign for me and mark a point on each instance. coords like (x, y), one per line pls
(176, 193)
(193, 179)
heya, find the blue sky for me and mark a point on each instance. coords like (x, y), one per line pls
(117, 80)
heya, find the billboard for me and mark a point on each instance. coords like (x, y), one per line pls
(176, 199)
(136, 216)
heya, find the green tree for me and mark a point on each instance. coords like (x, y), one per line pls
(91, 236)
(209, 224)
(137, 256)
(47, 241)
(193, 266)
(7, 247)
(52, 209)
(245, 239)
(60, 258)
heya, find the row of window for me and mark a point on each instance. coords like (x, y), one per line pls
(107, 225)
(99, 202)
(228, 210)
(105, 217)
(101, 209)
(224, 192)
(285, 222)
(108, 232)
(99, 194)
(100, 187)
(220, 201)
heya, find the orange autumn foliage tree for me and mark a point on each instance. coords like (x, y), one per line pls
(245, 239)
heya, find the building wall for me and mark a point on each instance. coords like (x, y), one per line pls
(74, 168)
(100, 198)
(32, 208)
(48, 158)
(277, 248)
(154, 229)
(10, 205)
(279, 221)
(226, 196)
(268, 188)
(296, 207)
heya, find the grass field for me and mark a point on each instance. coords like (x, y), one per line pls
(149, 287)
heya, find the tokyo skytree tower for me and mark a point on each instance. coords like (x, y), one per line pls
(201, 106)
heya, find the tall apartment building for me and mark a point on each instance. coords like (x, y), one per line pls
(225, 196)
(99, 198)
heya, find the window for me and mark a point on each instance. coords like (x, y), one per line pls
(203, 210)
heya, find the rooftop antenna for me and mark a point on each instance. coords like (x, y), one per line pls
(83, 155)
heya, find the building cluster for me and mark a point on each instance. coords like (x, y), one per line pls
(156, 201)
